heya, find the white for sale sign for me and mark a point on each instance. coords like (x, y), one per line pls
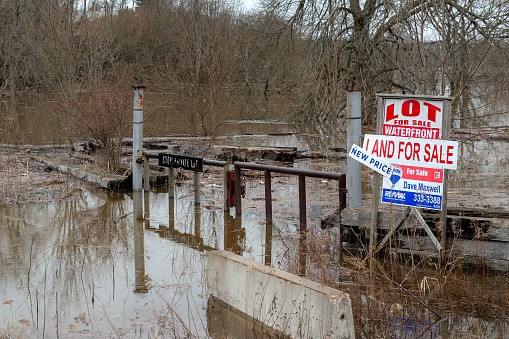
(413, 118)
(413, 151)
(412, 129)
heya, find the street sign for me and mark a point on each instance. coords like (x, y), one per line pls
(179, 161)
(373, 162)
(413, 151)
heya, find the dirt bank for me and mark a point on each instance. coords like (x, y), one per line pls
(25, 181)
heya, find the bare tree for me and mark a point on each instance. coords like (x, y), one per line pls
(363, 45)
(295, 57)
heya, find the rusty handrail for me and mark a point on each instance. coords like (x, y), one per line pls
(301, 173)
(289, 170)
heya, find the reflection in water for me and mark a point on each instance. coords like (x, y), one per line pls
(207, 222)
(146, 210)
(171, 210)
(302, 254)
(70, 249)
(234, 234)
(139, 244)
(223, 321)
(197, 221)
(67, 267)
(268, 244)
(193, 239)
(482, 164)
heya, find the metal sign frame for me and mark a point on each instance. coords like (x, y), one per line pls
(445, 126)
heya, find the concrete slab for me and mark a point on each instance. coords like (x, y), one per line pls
(295, 306)
(101, 179)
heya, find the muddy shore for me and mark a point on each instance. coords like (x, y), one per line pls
(24, 181)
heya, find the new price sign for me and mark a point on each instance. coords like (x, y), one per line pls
(412, 129)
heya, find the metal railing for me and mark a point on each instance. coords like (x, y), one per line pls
(302, 174)
(236, 198)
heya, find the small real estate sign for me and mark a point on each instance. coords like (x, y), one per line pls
(370, 160)
(410, 142)
(414, 186)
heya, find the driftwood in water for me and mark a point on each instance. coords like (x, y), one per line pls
(286, 154)
(102, 179)
(228, 153)
(478, 212)
(221, 148)
(494, 254)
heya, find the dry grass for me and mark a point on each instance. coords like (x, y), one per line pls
(21, 182)
(411, 296)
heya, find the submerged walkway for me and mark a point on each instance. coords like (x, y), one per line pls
(83, 172)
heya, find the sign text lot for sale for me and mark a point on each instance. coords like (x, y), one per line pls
(413, 118)
(417, 179)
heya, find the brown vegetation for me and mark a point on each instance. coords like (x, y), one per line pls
(410, 296)
(21, 182)
(204, 53)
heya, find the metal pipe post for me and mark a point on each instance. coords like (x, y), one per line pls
(139, 255)
(171, 214)
(377, 181)
(137, 137)
(171, 183)
(303, 225)
(268, 198)
(268, 245)
(238, 192)
(446, 129)
(146, 209)
(342, 205)
(268, 219)
(353, 136)
(226, 169)
(230, 190)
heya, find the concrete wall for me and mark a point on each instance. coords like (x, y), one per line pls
(285, 302)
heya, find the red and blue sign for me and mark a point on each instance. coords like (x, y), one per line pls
(418, 175)
(414, 186)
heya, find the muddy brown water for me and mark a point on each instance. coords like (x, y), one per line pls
(69, 268)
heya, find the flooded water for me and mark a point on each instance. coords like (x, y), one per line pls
(69, 268)
(483, 164)
(83, 267)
